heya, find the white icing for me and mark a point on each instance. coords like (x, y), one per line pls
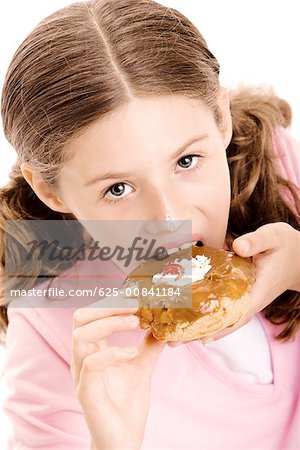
(195, 269)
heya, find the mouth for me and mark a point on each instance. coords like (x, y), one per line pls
(175, 246)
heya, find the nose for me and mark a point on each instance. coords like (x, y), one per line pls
(167, 207)
(166, 203)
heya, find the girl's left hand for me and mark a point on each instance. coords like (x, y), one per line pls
(275, 252)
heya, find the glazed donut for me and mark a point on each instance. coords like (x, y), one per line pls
(210, 291)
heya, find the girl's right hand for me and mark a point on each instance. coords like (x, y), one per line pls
(112, 384)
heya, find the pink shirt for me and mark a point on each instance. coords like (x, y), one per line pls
(196, 403)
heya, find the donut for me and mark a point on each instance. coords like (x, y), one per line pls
(192, 293)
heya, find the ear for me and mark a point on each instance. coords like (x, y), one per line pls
(42, 190)
(226, 125)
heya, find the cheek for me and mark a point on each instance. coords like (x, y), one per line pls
(221, 192)
(212, 186)
(219, 208)
(211, 203)
(80, 205)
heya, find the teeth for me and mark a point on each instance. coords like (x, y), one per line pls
(187, 245)
(170, 251)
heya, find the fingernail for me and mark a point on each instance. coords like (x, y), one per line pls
(244, 246)
(174, 344)
(132, 320)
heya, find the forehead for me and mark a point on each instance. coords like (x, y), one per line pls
(145, 125)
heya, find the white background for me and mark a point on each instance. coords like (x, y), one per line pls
(256, 42)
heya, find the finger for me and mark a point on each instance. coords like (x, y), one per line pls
(149, 352)
(267, 237)
(85, 315)
(263, 292)
(93, 336)
(98, 362)
(102, 328)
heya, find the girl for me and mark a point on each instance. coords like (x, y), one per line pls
(116, 112)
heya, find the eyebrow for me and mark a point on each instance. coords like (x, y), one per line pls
(118, 175)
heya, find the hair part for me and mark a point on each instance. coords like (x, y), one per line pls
(89, 58)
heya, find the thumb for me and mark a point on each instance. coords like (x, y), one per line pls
(266, 238)
(149, 352)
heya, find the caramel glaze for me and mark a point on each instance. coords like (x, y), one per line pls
(230, 276)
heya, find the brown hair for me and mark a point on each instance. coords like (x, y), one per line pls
(87, 59)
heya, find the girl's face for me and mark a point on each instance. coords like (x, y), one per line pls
(152, 157)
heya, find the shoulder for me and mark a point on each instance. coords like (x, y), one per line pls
(35, 317)
(29, 326)
(40, 400)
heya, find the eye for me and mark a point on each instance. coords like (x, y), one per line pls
(119, 191)
(189, 162)
(116, 192)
